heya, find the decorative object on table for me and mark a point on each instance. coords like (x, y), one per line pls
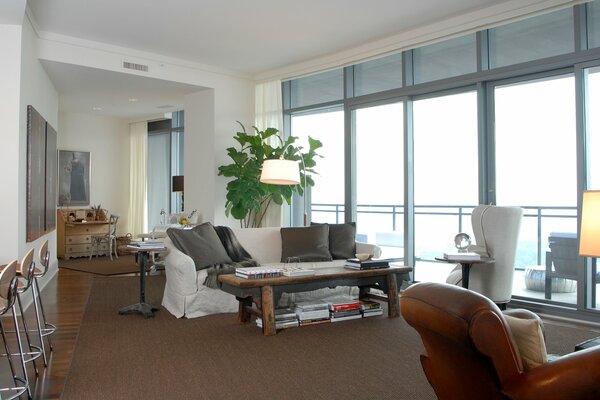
(162, 216)
(363, 256)
(97, 209)
(248, 196)
(73, 177)
(462, 241)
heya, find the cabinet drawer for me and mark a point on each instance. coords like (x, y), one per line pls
(85, 248)
(83, 229)
(78, 239)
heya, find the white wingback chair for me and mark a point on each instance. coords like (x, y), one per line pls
(496, 231)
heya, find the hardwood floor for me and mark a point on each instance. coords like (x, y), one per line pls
(64, 298)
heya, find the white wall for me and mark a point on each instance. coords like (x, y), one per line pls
(23, 82)
(107, 140)
(10, 78)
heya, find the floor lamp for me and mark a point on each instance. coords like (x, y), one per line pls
(284, 172)
(589, 237)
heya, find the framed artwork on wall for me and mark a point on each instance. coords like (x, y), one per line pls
(73, 178)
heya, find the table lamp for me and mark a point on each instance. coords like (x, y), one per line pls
(283, 172)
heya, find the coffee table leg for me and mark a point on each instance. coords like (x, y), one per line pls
(244, 313)
(392, 294)
(268, 311)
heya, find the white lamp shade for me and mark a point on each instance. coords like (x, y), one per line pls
(589, 236)
(280, 172)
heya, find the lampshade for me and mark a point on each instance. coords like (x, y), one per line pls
(178, 183)
(280, 172)
(589, 236)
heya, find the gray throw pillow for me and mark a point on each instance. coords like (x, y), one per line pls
(201, 243)
(310, 243)
(342, 240)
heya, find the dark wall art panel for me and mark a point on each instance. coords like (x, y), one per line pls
(41, 175)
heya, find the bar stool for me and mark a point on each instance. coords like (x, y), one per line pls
(8, 293)
(45, 328)
(26, 274)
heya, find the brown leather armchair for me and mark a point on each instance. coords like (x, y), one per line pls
(470, 352)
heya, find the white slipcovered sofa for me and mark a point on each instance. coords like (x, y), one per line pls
(186, 296)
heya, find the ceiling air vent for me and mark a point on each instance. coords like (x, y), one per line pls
(134, 66)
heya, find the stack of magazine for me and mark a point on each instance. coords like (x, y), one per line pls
(284, 318)
(370, 308)
(343, 308)
(312, 312)
(355, 263)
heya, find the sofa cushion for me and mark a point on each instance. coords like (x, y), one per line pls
(342, 240)
(529, 338)
(310, 243)
(201, 243)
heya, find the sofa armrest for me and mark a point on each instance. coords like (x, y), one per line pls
(574, 376)
(180, 270)
(368, 248)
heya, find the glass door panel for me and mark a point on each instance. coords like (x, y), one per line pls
(380, 177)
(327, 196)
(536, 168)
(446, 177)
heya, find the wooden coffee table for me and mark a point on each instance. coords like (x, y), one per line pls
(265, 293)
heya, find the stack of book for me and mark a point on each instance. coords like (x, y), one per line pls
(284, 318)
(462, 256)
(343, 308)
(370, 308)
(355, 263)
(257, 272)
(312, 312)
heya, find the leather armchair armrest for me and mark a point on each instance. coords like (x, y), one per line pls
(574, 376)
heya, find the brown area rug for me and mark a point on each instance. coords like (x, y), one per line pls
(101, 265)
(215, 357)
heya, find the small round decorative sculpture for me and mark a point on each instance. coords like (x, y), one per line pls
(462, 241)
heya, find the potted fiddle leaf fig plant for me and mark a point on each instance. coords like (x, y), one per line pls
(248, 199)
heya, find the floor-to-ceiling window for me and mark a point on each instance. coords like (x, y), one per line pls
(488, 117)
(327, 196)
(536, 166)
(380, 177)
(446, 177)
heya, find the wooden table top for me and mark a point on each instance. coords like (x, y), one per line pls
(319, 275)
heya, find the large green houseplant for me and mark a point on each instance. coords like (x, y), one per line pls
(248, 199)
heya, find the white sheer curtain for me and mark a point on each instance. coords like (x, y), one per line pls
(269, 114)
(138, 150)
(268, 106)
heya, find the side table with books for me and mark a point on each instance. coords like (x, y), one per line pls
(466, 261)
(142, 249)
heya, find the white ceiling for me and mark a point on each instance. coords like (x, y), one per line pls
(249, 37)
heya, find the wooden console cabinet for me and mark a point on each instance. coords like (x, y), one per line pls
(74, 238)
